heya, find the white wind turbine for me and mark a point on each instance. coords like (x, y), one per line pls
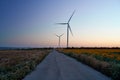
(59, 36)
(68, 28)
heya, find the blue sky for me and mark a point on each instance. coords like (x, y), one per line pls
(31, 23)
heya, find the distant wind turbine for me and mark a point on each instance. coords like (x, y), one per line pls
(68, 28)
(59, 36)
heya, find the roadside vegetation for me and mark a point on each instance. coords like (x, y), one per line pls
(16, 64)
(107, 61)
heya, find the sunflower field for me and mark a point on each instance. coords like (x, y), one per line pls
(107, 61)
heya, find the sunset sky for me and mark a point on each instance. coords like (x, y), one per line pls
(31, 23)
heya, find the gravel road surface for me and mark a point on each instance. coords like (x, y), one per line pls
(57, 66)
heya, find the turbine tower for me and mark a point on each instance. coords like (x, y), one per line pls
(59, 36)
(68, 28)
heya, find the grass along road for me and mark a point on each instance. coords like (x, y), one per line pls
(16, 64)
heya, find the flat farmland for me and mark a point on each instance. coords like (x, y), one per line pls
(16, 64)
(107, 61)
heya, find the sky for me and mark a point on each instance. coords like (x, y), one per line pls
(32, 23)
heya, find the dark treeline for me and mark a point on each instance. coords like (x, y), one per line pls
(26, 48)
(92, 48)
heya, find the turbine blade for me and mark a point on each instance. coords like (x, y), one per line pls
(61, 23)
(70, 29)
(57, 35)
(61, 35)
(71, 16)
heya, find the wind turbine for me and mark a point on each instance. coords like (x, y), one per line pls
(68, 28)
(59, 36)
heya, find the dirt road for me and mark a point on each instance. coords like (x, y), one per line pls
(57, 66)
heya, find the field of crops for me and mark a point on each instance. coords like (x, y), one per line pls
(15, 64)
(106, 61)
